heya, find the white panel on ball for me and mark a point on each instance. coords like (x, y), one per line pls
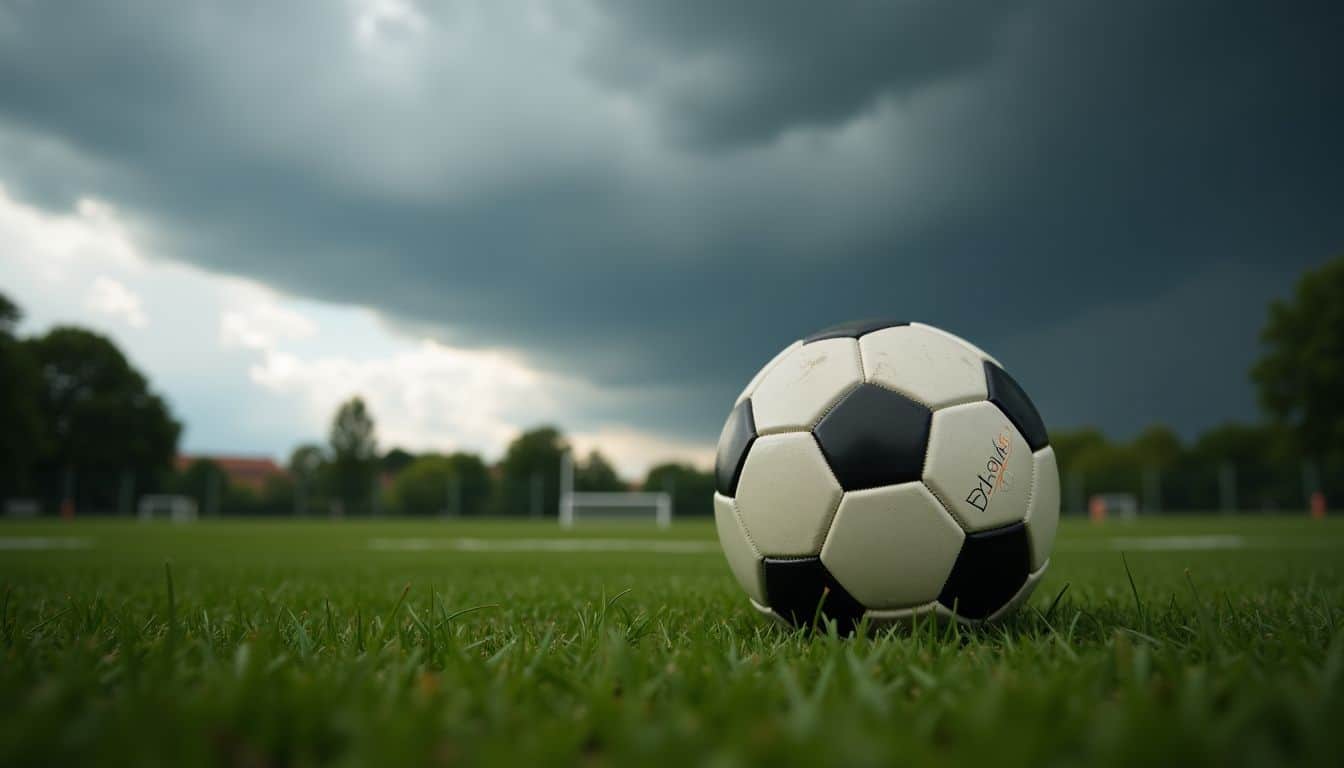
(796, 393)
(929, 366)
(979, 465)
(787, 495)
(892, 547)
(743, 559)
(982, 353)
(1043, 510)
(756, 380)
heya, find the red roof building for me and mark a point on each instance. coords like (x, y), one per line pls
(245, 471)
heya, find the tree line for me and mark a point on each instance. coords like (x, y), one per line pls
(82, 427)
(348, 475)
(1296, 450)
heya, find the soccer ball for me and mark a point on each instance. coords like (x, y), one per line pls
(886, 470)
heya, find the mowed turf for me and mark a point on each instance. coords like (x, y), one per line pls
(381, 643)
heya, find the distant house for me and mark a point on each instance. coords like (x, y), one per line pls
(245, 471)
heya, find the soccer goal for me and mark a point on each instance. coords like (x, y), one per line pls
(608, 505)
(178, 509)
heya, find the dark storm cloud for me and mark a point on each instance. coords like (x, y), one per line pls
(740, 73)
(1027, 175)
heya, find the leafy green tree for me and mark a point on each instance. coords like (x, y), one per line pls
(311, 475)
(21, 435)
(203, 480)
(434, 484)
(306, 459)
(531, 460)
(692, 489)
(354, 456)
(1158, 447)
(1262, 459)
(10, 315)
(1301, 374)
(595, 473)
(100, 417)
(395, 460)
(1071, 446)
(276, 497)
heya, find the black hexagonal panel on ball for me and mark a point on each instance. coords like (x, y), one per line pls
(795, 587)
(875, 437)
(991, 568)
(738, 434)
(1005, 392)
(853, 329)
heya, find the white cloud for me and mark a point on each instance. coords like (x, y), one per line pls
(260, 322)
(251, 370)
(381, 22)
(109, 297)
(425, 396)
(52, 248)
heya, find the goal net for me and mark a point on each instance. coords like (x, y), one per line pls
(178, 509)
(609, 505)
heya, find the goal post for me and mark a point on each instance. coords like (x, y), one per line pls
(572, 502)
(178, 509)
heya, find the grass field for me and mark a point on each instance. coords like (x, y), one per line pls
(381, 643)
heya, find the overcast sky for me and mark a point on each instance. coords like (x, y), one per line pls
(607, 215)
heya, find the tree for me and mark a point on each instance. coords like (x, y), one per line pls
(1301, 374)
(21, 436)
(1262, 461)
(203, 480)
(532, 461)
(10, 315)
(311, 471)
(354, 456)
(434, 485)
(596, 474)
(306, 459)
(692, 489)
(1158, 447)
(100, 418)
(395, 460)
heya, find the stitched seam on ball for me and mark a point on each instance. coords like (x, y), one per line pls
(1026, 514)
(770, 365)
(965, 343)
(863, 371)
(965, 526)
(845, 393)
(830, 519)
(834, 402)
(745, 532)
(924, 472)
(781, 431)
(967, 400)
(911, 397)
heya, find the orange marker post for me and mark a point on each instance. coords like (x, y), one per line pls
(1096, 509)
(1318, 506)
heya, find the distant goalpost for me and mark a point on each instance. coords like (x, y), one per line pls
(572, 502)
(179, 509)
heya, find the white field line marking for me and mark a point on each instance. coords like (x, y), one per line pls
(1192, 543)
(673, 546)
(43, 543)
